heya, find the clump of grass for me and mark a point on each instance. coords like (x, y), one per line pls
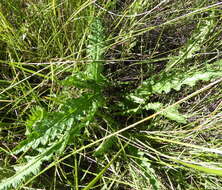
(110, 95)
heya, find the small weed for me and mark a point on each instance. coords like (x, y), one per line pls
(110, 94)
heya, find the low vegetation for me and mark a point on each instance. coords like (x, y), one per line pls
(110, 94)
